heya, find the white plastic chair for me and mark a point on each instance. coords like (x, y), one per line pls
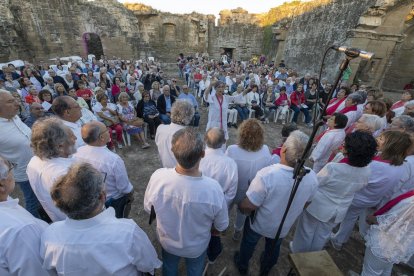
(277, 113)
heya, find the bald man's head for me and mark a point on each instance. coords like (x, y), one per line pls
(215, 138)
(95, 134)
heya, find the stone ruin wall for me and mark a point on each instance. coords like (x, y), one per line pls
(311, 33)
(40, 30)
(37, 30)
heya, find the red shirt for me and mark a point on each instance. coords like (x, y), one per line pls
(297, 98)
(282, 97)
(84, 93)
(32, 99)
(197, 77)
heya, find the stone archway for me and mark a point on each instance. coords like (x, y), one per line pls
(92, 44)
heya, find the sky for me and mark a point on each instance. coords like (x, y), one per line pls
(209, 6)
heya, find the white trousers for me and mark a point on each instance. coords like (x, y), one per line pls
(347, 225)
(311, 234)
(232, 116)
(374, 266)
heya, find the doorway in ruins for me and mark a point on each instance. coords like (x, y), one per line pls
(228, 52)
(93, 45)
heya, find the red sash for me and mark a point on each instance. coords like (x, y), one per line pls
(332, 108)
(393, 202)
(348, 109)
(397, 105)
(379, 159)
(344, 160)
(220, 101)
(319, 137)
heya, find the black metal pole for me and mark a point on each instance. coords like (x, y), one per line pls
(300, 171)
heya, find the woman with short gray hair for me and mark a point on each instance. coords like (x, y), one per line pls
(182, 113)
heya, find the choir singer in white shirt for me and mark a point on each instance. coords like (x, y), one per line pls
(119, 190)
(222, 168)
(53, 145)
(20, 232)
(338, 183)
(92, 241)
(188, 206)
(267, 197)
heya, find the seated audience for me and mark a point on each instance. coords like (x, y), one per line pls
(297, 100)
(147, 109)
(36, 111)
(128, 116)
(164, 104)
(106, 113)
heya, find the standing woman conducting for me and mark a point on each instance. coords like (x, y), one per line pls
(219, 103)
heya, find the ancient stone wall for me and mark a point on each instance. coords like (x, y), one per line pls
(311, 33)
(40, 30)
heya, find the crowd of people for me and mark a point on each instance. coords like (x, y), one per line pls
(61, 124)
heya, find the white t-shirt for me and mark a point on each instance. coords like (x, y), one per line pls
(270, 191)
(187, 207)
(102, 245)
(97, 108)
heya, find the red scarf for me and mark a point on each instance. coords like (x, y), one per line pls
(397, 105)
(220, 101)
(344, 160)
(319, 137)
(379, 159)
(393, 202)
(333, 106)
(348, 109)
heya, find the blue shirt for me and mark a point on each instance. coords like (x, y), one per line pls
(167, 103)
(189, 98)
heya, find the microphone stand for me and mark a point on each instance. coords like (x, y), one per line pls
(300, 171)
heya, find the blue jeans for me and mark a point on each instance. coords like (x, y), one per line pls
(194, 266)
(196, 119)
(243, 112)
(165, 119)
(30, 200)
(249, 241)
(297, 110)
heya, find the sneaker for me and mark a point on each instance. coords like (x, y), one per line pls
(145, 146)
(120, 146)
(283, 122)
(235, 126)
(335, 246)
(237, 235)
(309, 125)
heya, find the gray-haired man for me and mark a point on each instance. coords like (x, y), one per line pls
(92, 241)
(119, 190)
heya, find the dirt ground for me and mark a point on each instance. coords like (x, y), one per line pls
(142, 163)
